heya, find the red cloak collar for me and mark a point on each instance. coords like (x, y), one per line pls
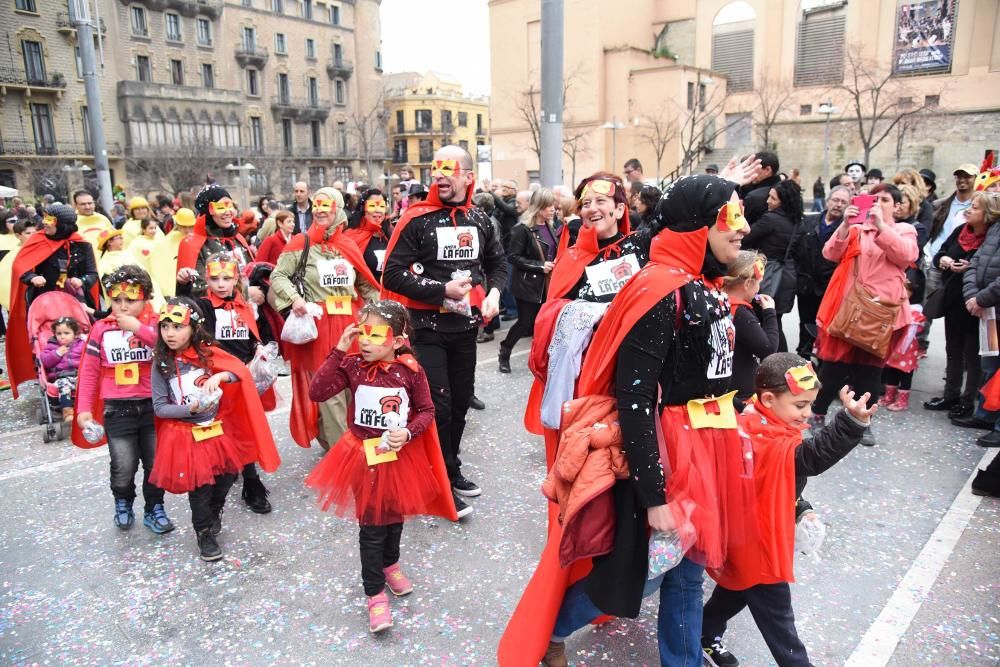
(571, 262)
(339, 241)
(191, 245)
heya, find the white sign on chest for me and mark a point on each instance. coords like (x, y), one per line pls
(335, 273)
(610, 276)
(124, 347)
(230, 326)
(457, 243)
(373, 404)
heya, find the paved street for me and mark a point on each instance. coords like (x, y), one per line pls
(77, 591)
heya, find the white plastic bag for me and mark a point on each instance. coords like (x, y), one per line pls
(301, 329)
(810, 531)
(262, 366)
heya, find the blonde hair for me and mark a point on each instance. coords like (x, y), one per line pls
(913, 196)
(990, 203)
(910, 177)
(540, 199)
(743, 267)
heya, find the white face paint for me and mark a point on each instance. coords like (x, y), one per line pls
(856, 172)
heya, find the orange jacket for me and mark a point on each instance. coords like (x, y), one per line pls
(588, 462)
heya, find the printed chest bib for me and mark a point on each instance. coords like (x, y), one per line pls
(372, 405)
(230, 326)
(457, 243)
(609, 277)
(335, 273)
(125, 351)
(723, 342)
(186, 390)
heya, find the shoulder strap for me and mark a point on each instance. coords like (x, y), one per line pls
(300, 269)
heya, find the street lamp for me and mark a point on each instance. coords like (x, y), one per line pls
(614, 126)
(242, 169)
(828, 109)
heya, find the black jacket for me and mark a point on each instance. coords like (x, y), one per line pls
(819, 453)
(814, 270)
(755, 339)
(307, 215)
(507, 216)
(755, 198)
(982, 279)
(941, 209)
(79, 263)
(771, 235)
(527, 253)
(951, 282)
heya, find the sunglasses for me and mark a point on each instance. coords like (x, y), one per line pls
(221, 269)
(131, 291)
(375, 206)
(730, 218)
(598, 187)
(375, 334)
(446, 168)
(222, 206)
(324, 206)
(177, 314)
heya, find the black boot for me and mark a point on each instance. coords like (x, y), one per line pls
(986, 483)
(216, 526)
(504, 362)
(255, 496)
(209, 547)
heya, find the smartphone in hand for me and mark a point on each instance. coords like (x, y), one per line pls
(864, 204)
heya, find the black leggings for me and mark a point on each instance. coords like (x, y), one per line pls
(861, 378)
(525, 325)
(893, 377)
(379, 550)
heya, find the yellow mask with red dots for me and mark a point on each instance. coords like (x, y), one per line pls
(221, 207)
(730, 218)
(446, 168)
(801, 379)
(375, 205)
(131, 291)
(224, 269)
(375, 334)
(324, 206)
(177, 313)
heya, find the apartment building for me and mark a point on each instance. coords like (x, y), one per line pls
(427, 111)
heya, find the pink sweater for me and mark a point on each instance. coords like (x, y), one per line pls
(93, 378)
(883, 262)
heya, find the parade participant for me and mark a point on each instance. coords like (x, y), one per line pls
(670, 337)
(754, 318)
(163, 261)
(758, 574)
(324, 267)
(232, 321)
(272, 246)
(388, 464)
(897, 376)
(114, 384)
(209, 419)
(111, 252)
(873, 254)
(370, 229)
(138, 211)
(443, 257)
(142, 246)
(89, 222)
(61, 360)
(57, 259)
(214, 231)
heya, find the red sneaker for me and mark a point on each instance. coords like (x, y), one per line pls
(397, 581)
(379, 616)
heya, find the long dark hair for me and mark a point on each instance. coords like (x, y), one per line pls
(394, 314)
(790, 195)
(201, 340)
(358, 213)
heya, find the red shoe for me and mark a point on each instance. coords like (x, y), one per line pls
(889, 397)
(379, 616)
(4, 384)
(901, 403)
(397, 581)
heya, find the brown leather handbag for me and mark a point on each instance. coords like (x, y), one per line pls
(864, 321)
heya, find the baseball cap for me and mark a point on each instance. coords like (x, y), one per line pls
(967, 168)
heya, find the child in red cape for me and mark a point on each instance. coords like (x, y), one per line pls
(388, 464)
(203, 439)
(757, 574)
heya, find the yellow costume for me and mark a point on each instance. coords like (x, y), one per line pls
(91, 226)
(163, 263)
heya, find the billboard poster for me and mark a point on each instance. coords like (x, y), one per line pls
(924, 36)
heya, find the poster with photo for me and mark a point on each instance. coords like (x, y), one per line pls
(989, 341)
(924, 36)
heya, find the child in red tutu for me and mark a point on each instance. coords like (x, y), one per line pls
(388, 465)
(209, 419)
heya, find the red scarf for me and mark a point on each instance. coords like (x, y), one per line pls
(969, 240)
(734, 305)
(240, 306)
(365, 232)
(843, 275)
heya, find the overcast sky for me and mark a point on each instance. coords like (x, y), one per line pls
(447, 36)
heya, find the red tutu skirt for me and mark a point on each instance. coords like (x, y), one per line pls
(377, 495)
(182, 464)
(709, 485)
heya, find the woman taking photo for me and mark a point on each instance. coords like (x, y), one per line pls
(961, 329)
(874, 254)
(324, 267)
(531, 254)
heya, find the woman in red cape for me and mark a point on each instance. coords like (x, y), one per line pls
(672, 332)
(604, 238)
(370, 230)
(334, 276)
(33, 261)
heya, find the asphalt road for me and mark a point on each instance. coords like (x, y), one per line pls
(907, 576)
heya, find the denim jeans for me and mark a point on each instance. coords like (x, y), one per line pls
(990, 365)
(679, 616)
(131, 439)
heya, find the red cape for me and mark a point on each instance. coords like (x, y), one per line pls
(431, 204)
(571, 262)
(769, 559)
(269, 399)
(339, 240)
(190, 248)
(842, 278)
(20, 359)
(147, 316)
(364, 233)
(675, 259)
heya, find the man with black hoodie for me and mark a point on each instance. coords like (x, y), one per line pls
(446, 264)
(754, 195)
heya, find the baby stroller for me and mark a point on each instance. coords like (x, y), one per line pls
(44, 310)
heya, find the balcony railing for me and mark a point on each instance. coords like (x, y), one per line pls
(23, 148)
(163, 91)
(302, 108)
(191, 8)
(14, 77)
(65, 25)
(339, 68)
(251, 54)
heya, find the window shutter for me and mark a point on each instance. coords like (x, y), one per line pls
(819, 49)
(732, 55)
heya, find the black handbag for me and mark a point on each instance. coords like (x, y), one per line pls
(936, 303)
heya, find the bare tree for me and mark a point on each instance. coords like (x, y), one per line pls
(574, 146)
(367, 126)
(698, 129)
(177, 168)
(528, 109)
(772, 95)
(658, 130)
(878, 101)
